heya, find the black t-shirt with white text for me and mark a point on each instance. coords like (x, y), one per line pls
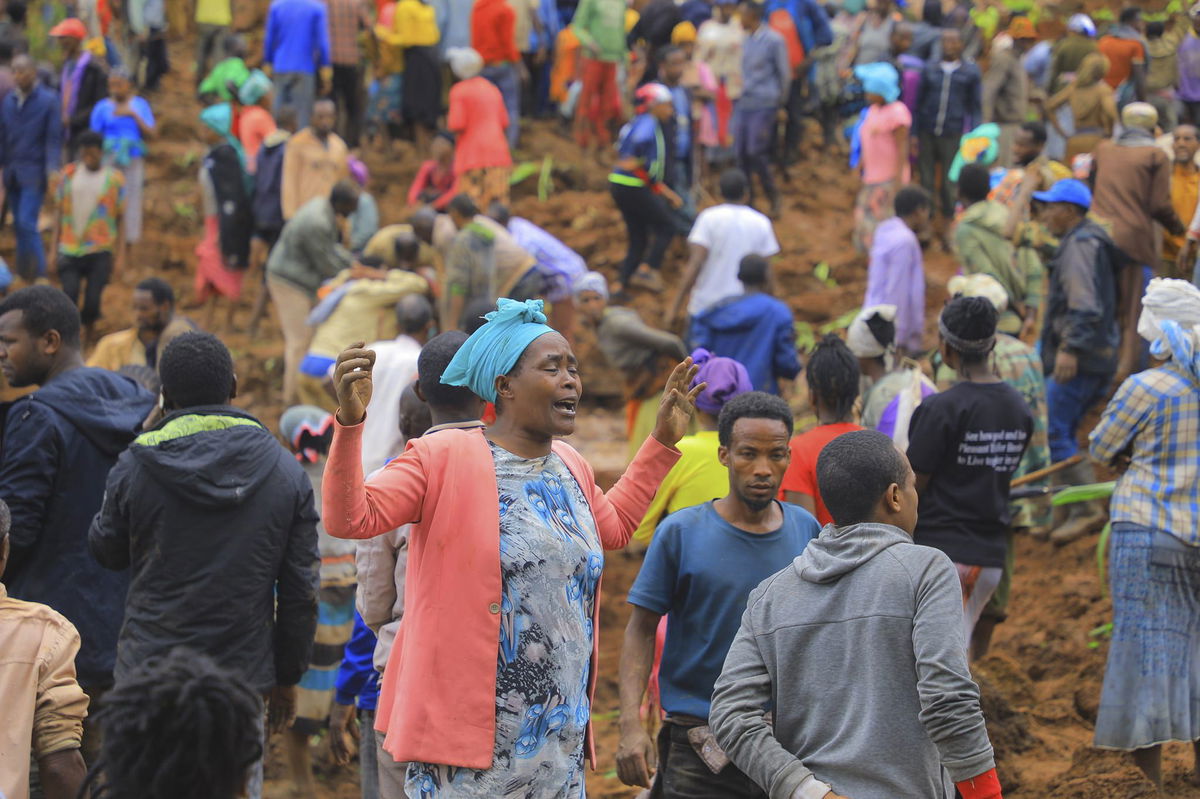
(969, 440)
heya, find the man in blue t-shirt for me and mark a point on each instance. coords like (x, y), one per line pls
(703, 563)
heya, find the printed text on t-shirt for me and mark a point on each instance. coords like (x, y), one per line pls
(999, 449)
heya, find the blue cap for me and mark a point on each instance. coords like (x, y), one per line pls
(1066, 191)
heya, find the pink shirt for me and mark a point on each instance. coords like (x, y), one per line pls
(879, 151)
(478, 116)
(438, 700)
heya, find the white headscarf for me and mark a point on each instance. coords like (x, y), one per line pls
(464, 62)
(1170, 321)
(860, 339)
(979, 285)
(592, 281)
(1177, 300)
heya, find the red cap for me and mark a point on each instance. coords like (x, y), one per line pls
(69, 28)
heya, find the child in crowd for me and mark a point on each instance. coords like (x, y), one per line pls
(833, 380)
(126, 123)
(862, 580)
(229, 74)
(436, 183)
(964, 445)
(308, 431)
(88, 232)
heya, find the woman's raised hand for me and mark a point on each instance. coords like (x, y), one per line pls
(678, 406)
(352, 382)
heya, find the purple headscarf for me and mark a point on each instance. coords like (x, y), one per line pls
(358, 171)
(726, 379)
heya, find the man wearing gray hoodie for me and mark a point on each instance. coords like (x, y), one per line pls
(860, 643)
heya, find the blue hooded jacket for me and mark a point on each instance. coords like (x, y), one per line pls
(756, 330)
(59, 443)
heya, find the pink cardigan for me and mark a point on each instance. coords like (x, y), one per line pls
(438, 700)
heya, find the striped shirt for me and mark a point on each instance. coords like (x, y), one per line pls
(1155, 419)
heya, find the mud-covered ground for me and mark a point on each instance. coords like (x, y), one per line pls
(1042, 681)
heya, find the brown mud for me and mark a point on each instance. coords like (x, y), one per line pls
(1041, 683)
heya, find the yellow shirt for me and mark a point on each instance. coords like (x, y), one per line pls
(695, 478)
(1185, 190)
(214, 12)
(365, 313)
(414, 25)
(310, 168)
(123, 348)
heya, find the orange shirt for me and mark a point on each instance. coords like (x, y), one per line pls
(493, 31)
(478, 116)
(1185, 193)
(1122, 54)
(566, 64)
(801, 475)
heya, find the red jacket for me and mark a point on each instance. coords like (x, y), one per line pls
(493, 31)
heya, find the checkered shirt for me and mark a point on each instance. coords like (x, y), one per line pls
(1155, 418)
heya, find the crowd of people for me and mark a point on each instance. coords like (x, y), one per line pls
(178, 587)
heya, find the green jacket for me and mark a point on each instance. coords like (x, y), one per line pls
(982, 247)
(601, 24)
(231, 70)
(308, 252)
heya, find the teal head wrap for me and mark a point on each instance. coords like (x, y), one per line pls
(254, 88)
(879, 78)
(495, 348)
(219, 119)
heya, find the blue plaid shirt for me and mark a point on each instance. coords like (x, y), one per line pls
(1155, 419)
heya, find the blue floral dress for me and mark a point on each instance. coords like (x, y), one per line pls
(550, 561)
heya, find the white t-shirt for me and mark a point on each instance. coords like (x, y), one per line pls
(730, 232)
(86, 188)
(395, 368)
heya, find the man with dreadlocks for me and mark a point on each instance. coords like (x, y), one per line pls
(178, 727)
(833, 380)
(964, 445)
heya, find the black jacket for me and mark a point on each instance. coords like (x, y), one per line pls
(949, 105)
(216, 521)
(1081, 310)
(235, 216)
(93, 87)
(59, 444)
(268, 185)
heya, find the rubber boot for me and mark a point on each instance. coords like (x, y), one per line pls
(1082, 517)
(1060, 515)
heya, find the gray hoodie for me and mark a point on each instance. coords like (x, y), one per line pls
(859, 644)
